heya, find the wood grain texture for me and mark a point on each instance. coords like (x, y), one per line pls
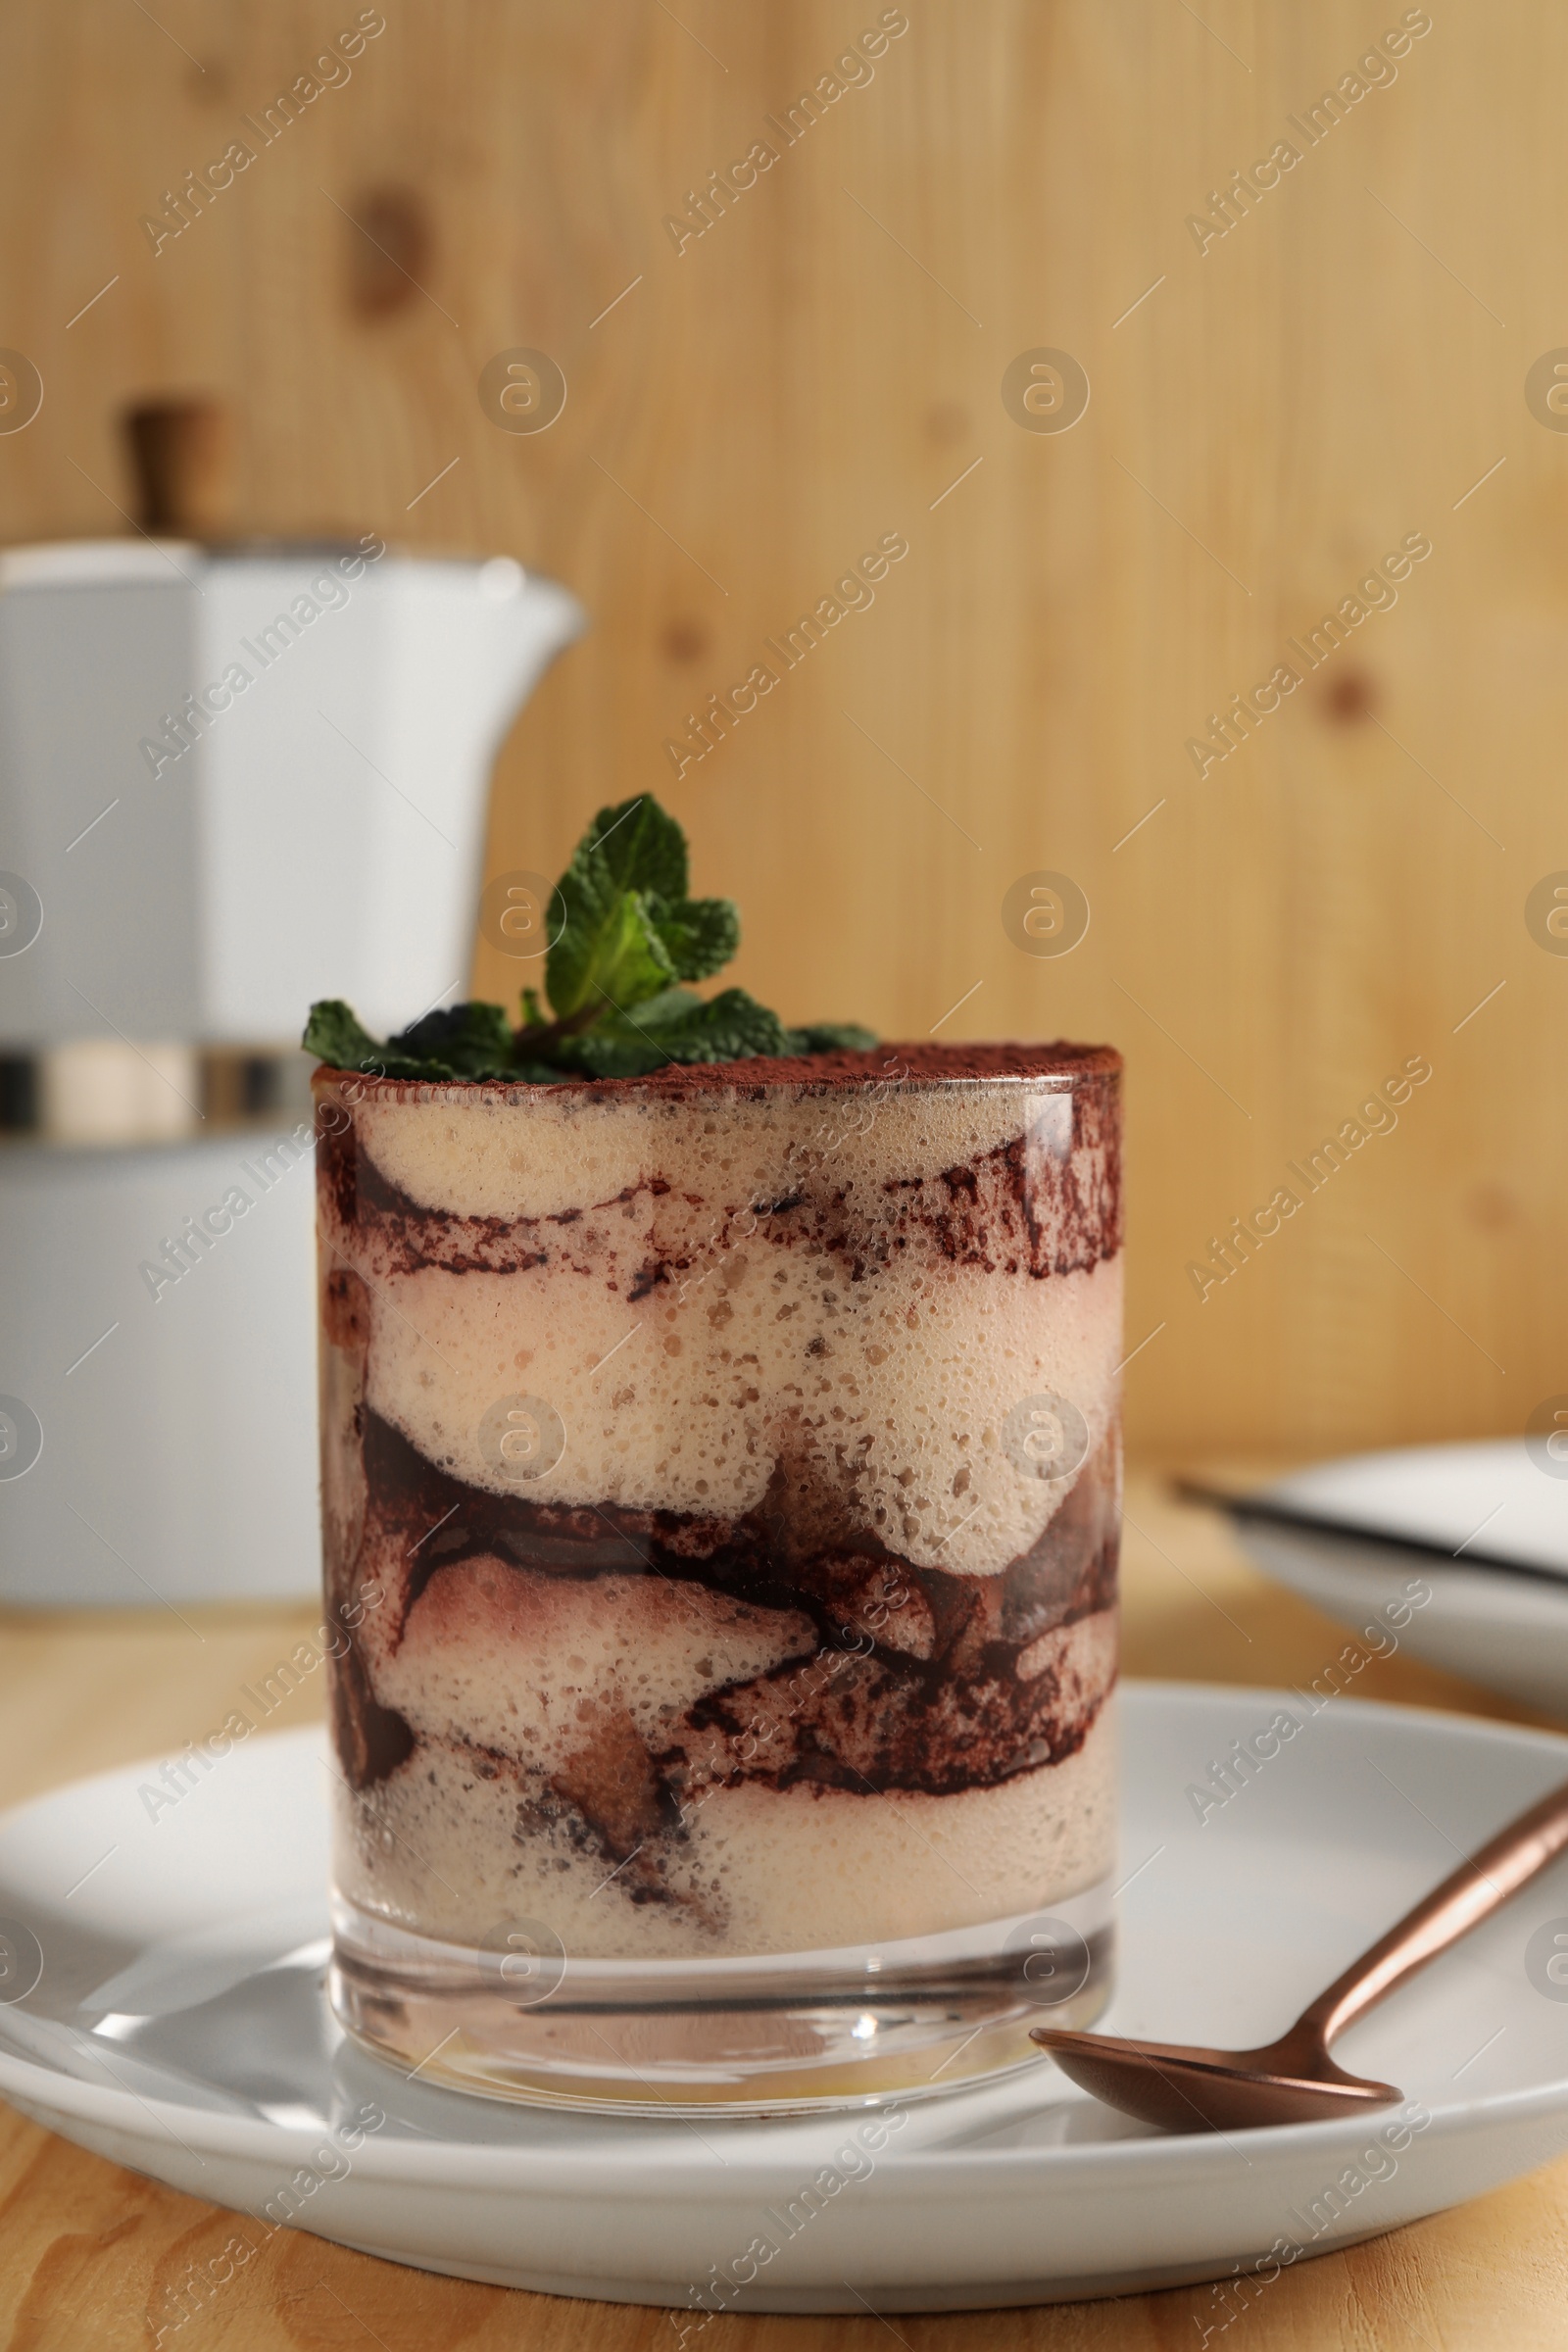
(822, 367)
(91, 2255)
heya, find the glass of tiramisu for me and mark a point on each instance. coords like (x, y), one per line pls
(720, 1492)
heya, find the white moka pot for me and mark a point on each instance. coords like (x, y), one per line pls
(230, 783)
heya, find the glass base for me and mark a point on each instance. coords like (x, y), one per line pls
(780, 2034)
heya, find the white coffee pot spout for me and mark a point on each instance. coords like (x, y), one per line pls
(464, 645)
(508, 625)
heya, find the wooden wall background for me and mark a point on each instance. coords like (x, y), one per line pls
(819, 369)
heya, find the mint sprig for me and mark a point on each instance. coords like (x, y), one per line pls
(615, 978)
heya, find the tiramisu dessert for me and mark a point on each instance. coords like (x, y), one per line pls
(720, 1483)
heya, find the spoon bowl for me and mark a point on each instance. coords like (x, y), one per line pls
(1185, 2087)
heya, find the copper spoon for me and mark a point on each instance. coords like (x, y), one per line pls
(1182, 2087)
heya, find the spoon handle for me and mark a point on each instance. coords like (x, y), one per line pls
(1476, 1888)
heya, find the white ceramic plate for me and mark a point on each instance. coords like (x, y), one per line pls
(1507, 1631)
(179, 2026)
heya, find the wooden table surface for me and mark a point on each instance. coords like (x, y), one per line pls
(89, 2253)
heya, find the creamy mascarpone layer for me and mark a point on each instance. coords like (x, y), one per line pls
(472, 1154)
(435, 1850)
(891, 1394)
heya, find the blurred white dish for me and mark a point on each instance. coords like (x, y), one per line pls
(179, 2026)
(1484, 1528)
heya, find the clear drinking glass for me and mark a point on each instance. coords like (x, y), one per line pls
(721, 1483)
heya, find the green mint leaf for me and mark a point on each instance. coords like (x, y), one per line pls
(631, 935)
(608, 953)
(626, 1045)
(333, 1033)
(642, 848)
(613, 1053)
(672, 1004)
(832, 1037)
(699, 935)
(471, 1041)
(629, 928)
(729, 1027)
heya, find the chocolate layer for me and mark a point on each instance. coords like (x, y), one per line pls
(915, 1679)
